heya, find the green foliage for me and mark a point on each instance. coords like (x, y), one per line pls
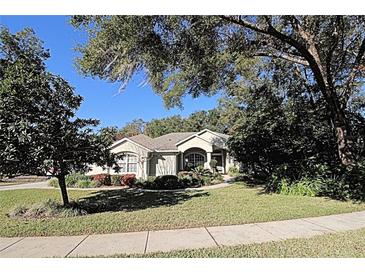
(295, 112)
(53, 182)
(233, 171)
(303, 187)
(39, 132)
(86, 184)
(47, 209)
(191, 178)
(213, 164)
(102, 179)
(166, 182)
(73, 179)
(159, 127)
(116, 180)
(341, 183)
(195, 122)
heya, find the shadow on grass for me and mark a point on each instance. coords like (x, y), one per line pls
(131, 200)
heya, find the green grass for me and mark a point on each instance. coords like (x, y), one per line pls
(347, 244)
(123, 211)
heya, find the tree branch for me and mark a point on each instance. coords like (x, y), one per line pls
(285, 56)
(309, 53)
(356, 64)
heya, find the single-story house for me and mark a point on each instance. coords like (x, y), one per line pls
(170, 153)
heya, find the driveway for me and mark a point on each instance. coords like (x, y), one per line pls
(43, 184)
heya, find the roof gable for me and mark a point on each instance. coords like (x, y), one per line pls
(198, 134)
(168, 141)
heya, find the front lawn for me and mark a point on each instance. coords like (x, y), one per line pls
(123, 211)
(346, 244)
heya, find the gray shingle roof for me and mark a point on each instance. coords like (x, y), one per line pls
(143, 140)
(165, 142)
(168, 141)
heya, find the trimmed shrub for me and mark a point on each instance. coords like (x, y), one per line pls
(128, 179)
(102, 179)
(86, 184)
(166, 182)
(73, 178)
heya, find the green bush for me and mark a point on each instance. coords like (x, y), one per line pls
(151, 178)
(207, 180)
(167, 182)
(86, 184)
(213, 164)
(233, 171)
(73, 178)
(53, 182)
(116, 180)
(303, 187)
(189, 179)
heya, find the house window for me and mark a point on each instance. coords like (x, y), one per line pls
(128, 163)
(194, 159)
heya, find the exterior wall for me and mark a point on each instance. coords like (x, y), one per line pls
(163, 163)
(213, 139)
(195, 142)
(97, 170)
(126, 147)
(230, 162)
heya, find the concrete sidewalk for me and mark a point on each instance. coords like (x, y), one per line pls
(167, 240)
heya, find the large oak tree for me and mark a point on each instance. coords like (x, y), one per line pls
(204, 54)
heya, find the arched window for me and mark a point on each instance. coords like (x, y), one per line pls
(193, 160)
(128, 163)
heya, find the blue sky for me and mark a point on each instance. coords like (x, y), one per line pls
(101, 98)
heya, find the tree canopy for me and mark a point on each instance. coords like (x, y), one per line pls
(212, 119)
(204, 54)
(39, 133)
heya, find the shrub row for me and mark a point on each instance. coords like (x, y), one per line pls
(78, 180)
(184, 179)
(196, 178)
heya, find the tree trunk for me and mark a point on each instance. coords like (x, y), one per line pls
(342, 129)
(344, 142)
(62, 184)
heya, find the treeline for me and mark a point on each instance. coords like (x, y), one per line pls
(213, 119)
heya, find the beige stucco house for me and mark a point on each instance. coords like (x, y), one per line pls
(170, 153)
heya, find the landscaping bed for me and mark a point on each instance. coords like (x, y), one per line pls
(185, 179)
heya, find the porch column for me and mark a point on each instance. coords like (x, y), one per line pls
(181, 160)
(209, 158)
